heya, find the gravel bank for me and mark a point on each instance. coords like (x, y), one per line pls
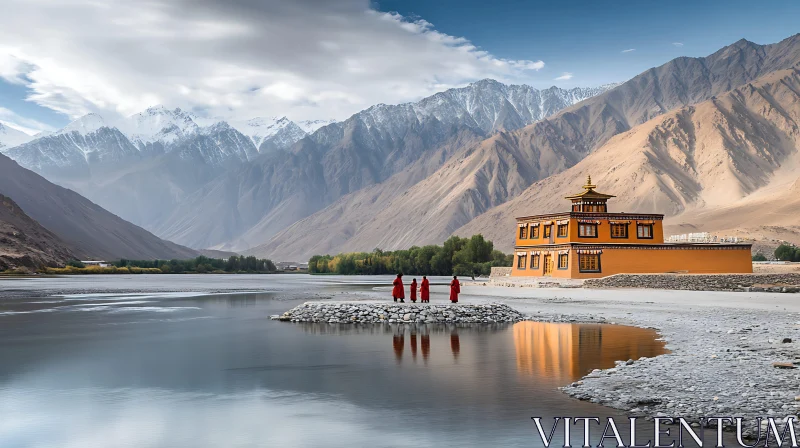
(784, 283)
(721, 365)
(376, 313)
(723, 347)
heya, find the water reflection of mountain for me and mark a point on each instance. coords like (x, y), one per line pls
(569, 351)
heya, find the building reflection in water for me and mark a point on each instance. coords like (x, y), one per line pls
(566, 352)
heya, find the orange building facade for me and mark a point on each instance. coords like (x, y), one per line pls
(590, 242)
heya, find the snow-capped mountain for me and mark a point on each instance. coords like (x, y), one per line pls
(159, 124)
(84, 125)
(310, 126)
(270, 133)
(487, 105)
(270, 193)
(150, 165)
(216, 145)
(10, 137)
(73, 150)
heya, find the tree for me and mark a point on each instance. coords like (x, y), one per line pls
(759, 257)
(75, 264)
(786, 252)
(462, 256)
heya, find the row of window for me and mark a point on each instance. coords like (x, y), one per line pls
(591, 208)
(587, 230)
(586, 262)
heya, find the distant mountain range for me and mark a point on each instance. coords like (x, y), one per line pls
(711, 141)
(245, 207)
(484, 185)
(209, 183)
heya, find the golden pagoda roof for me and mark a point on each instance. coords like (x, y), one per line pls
(589, 193)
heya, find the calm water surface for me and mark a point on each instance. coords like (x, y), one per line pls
(176, 370)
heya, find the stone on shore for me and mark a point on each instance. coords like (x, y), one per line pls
(784, 283)
(376, 313)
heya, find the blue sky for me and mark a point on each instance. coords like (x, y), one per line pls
(587, 38)
(308, 59)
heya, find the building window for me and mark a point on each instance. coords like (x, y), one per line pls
(644, 231)
(534, 262)
(619, 230)
(589, 262)
(534, 231)
(563, 262)
(587, 230)
(547, 230)
(522, 261)
(562, 230)
(523, 232)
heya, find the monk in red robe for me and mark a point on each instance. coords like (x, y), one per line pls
(455, 289)
(414, 290)
(398, 292)
(425, 290)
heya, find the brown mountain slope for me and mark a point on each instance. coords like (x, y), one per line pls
(25, 243)
(711, 159)
(88, 230)
(396, 215)
(489, 173)
(275, 192)
(336, 224)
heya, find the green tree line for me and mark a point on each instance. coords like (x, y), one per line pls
(787, 252)
(457, 256)
(203, 264)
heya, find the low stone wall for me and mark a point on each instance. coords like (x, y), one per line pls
(701, 282)
(374, 313)
(500, 272)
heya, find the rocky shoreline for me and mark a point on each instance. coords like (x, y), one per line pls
(722, 363)
(784, 283)
(376, 313)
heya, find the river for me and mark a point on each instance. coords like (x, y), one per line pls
(194, 361)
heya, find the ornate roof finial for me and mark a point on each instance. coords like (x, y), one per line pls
(589, 185)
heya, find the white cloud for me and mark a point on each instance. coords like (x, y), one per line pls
(677, 44)
(20, 123)
(239, 58)
(564, 76)
(628, 50)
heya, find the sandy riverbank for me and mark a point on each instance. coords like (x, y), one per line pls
(723, 346)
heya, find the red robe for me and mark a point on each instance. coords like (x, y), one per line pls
(455, 288)
(425, 290)
(413, 290)
(398, 292)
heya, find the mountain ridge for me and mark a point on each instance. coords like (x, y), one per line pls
(87, 229)
(714, 161)
(552, 145)
(343, 157)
